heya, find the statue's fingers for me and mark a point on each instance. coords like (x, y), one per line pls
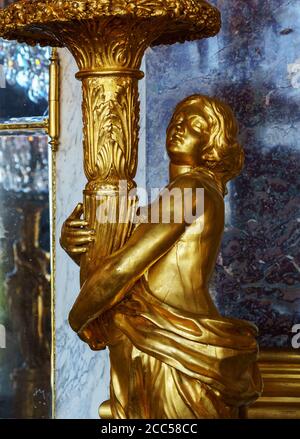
(71, 241)
(79, 232)
(84, 337)
(76, 223)
(77, 212)
(77, 250)
(82, 240)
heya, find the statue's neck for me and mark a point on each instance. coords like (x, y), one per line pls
(176, 170)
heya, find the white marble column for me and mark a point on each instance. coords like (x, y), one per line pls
(81, 375)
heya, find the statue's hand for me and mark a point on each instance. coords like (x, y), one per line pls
(75, 235)
(93, 335)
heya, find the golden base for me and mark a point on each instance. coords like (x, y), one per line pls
(281, 397)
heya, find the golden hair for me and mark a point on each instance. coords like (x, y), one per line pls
(223, 153)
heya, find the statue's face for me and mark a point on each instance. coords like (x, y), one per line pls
(187, 134)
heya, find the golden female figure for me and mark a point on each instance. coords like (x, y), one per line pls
(172, 354)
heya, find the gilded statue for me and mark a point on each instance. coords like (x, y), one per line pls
(172, 354)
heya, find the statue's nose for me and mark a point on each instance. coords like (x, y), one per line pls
(180, 128)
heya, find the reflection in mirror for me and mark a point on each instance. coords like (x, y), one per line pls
(24, 80)
(4, 3)
(25, 299)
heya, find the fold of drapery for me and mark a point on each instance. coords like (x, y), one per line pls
(219, 352)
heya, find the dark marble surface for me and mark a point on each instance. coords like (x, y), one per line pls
(254, 65)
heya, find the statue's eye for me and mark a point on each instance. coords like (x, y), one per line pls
(179, 119)
(197, 123)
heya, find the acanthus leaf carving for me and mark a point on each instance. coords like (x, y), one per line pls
(111, 129)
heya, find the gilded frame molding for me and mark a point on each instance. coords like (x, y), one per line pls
(51, 124)
(280, 370)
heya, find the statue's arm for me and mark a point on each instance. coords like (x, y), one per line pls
(117, 274)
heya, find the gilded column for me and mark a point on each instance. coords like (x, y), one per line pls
(109, 54)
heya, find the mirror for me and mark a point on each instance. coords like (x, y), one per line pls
(25, 277)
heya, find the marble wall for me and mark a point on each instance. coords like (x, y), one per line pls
(254, 65)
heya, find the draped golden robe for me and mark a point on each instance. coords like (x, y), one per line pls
(178, 364)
